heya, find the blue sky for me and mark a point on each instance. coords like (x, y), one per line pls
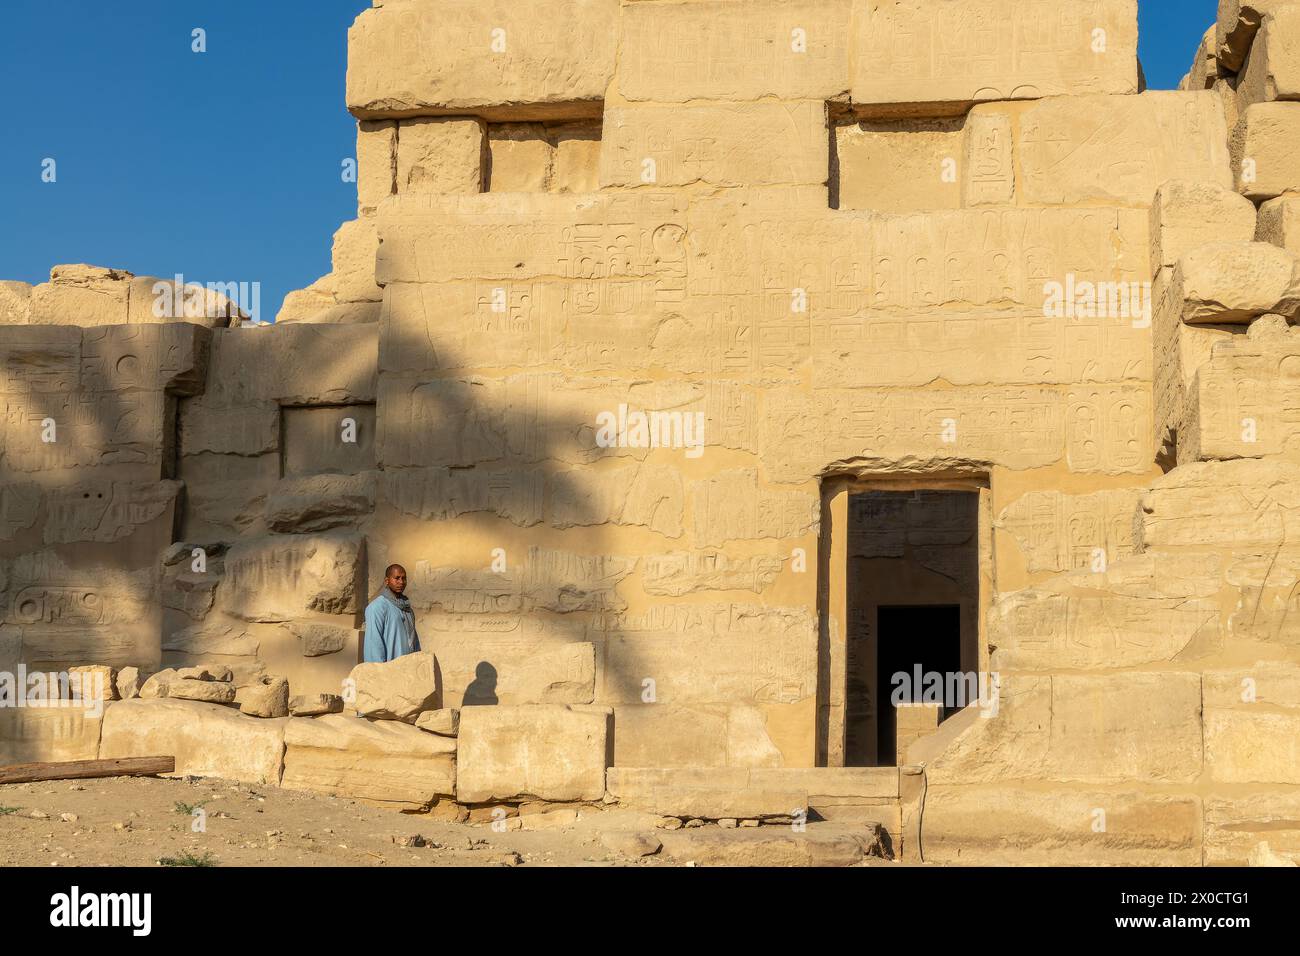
(224, 166)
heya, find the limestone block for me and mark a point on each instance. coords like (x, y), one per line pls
(247, 429)
(575, 166)
(441, 156)
(1058, 827)
(400, 689)
(1243, 401)
(746, 144)
(445, 722)
(491, 669)
(321, 311)
(1233, 282)
(1120, 148)
(1218, 505)
(672, 53)
(1238, 23)
(422, 57)
(294, 365)
(1272, 68)
(639, 495)
(315, 705)
(521, 157)
(1188, 214)
(1205, 67)
(128, 683)
(267, 697)
(386, 762)
(276, 579)
(1279, 223)
(92, 682)
(33, 734)
(1264, 145)
(156, 685)
(715, 794)
(546, 752)
(211, 692)
(304, 305)
(514, 237)
(356, 244)
(918, 56)
(214, 305)
(319, 502)
(104, 511)
(82, 295)
(1234, 827)
(206, 741)
(898, 165)
(15, 303)
(319, 639)
(376, 166)
(1253, 745)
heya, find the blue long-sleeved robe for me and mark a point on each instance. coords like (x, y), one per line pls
(390, 629)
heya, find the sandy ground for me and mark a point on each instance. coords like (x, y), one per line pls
(143, 821)
(139, 821)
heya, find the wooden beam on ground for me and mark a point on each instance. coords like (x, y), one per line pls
(85, 769)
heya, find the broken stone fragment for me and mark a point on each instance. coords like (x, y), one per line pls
(206, 672)
(314, 705)
(212, 692)
(631, 844)
(93, 682)
(267, 697)
(128, 683)
(396, 690)
(1233, 282)
(318, 640)
(156, 686)
(445, 722)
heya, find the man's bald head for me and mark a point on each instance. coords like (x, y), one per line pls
(395, 578)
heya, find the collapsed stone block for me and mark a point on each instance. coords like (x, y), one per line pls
(543, 752)
(206, 741)
(1238, 23)
(1279, 223)
(1233, 282)
(385, 762)
(444, 723)
(266, 697)
(400, 689)
(1272, 68)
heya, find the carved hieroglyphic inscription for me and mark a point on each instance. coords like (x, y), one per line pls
(1060, 532)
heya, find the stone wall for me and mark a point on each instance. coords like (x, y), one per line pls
(825, 244)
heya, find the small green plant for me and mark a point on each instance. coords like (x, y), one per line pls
(187, 809)
(5, 811)
(187, 858)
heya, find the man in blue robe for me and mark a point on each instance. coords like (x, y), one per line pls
(390, 622)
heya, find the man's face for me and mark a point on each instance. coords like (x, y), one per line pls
(396, 581)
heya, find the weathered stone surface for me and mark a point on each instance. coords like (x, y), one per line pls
(1187, 214)
(212, 692)
(919, 55)
(319, 503)
(1238, 24)
(267, 697)
(1263, 145)
(356, 245)
(770, 846)
(1235, 828)
(277, 578)
(315, 705)
(319, 639)
(376, 168)
(547, 752)
(993, 825)
(1233, 282)
(15, 303)
(1279, 223)
(444, 723)
(206, 741)
(490, 669)
(441, 156)
(34, 734)
(400, 689)
(128, 683)
(156, 685)
(407, 58)
(382, 762)
(1221, 505)
(871, 154)
(1241, 403)
(1272, 68)
(707, 795)
(748, 144)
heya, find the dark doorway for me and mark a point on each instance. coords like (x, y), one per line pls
(912, 593)
(914, 642)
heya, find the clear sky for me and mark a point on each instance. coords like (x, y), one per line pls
(224, 166)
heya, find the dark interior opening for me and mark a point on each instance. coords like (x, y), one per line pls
(914, 642)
